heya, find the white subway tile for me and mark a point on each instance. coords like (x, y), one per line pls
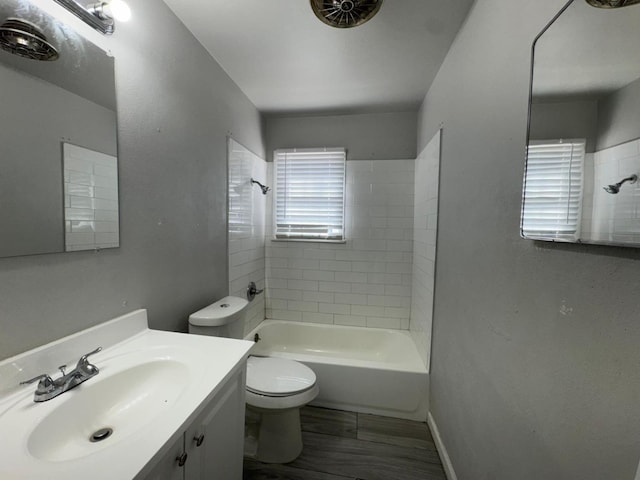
(325, 318)
(376, 245)
(286, 315)
(319, 254)
(79, 238)
(350, 298)
(367, 310)
(310, 285)
(302, 306)
(384, 322)
(341, 309)
(336, 266)
(367, 289)
(397, 312)
(304, 264)
(339, 287)
(278, 283)
(277, 262)
(393, 267)
(323, 275)
(351, 277)
(285, 294)
(385, 278)
(350, 320)
(397, 290)
(326, 297)
(286, 273)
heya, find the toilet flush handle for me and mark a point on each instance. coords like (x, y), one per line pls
(252, 291)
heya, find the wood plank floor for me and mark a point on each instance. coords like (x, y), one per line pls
(354, 446)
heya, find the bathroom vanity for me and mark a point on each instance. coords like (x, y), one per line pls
(212, 445)
(163, 406)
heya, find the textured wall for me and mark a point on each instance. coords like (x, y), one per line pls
(175, 109)
(535, 368)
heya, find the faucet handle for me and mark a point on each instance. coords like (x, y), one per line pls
(46, 382)
(85, 366)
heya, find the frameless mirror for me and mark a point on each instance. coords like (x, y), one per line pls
(58, 146)
(583, 150)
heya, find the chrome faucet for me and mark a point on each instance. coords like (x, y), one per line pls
(49, 388)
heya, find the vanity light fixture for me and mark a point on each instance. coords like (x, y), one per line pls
(100, 15)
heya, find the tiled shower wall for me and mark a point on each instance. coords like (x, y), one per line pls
(424, 246)
(365, 281)
(614, 218)
(247, 206)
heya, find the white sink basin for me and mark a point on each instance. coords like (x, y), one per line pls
(150, 386)
(123, 402)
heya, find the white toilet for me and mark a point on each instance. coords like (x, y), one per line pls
(276, 387)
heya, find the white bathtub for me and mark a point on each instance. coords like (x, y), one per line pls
(359, 369)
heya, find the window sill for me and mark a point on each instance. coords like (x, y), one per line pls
(307, 240)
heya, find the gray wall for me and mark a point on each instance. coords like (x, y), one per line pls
(535, 362)
(619, 116)
(382, 136)
(176, 106)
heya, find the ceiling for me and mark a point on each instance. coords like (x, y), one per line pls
(286, 60)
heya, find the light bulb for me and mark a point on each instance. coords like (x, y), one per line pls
(118, 9)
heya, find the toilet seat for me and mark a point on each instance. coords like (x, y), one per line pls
(278, 377)
(279, 384)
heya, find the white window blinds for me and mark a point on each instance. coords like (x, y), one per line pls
(309, 194)
(553, 189)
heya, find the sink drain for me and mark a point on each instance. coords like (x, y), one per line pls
(101, 434)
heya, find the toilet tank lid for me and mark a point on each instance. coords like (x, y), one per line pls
(222, 312)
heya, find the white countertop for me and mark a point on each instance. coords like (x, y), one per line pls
(127, 343)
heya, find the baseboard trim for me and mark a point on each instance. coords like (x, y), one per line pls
(442, 450)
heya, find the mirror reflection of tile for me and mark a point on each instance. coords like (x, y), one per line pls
(614, 218)
(90, 199)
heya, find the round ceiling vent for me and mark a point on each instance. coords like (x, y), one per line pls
(345, 13)
(612, 3)
(25, 40)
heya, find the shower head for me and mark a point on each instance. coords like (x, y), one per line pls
(612, 3)
(345, 13)
(25, 39)
(264, 188)
(615, 188)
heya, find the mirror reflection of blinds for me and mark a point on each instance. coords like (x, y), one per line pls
(309, 193)
(553, 189)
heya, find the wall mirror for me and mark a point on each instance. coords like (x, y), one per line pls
(58, 145)
(583, 150)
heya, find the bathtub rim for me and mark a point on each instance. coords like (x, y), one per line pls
(416, 366)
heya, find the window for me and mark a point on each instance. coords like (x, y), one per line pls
(553, 189)
(309, 194)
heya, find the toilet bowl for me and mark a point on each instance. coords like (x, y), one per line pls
(276, 388)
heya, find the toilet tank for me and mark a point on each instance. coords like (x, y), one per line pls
(223, 318)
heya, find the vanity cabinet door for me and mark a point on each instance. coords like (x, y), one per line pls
(168, 468)
(215, 441)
